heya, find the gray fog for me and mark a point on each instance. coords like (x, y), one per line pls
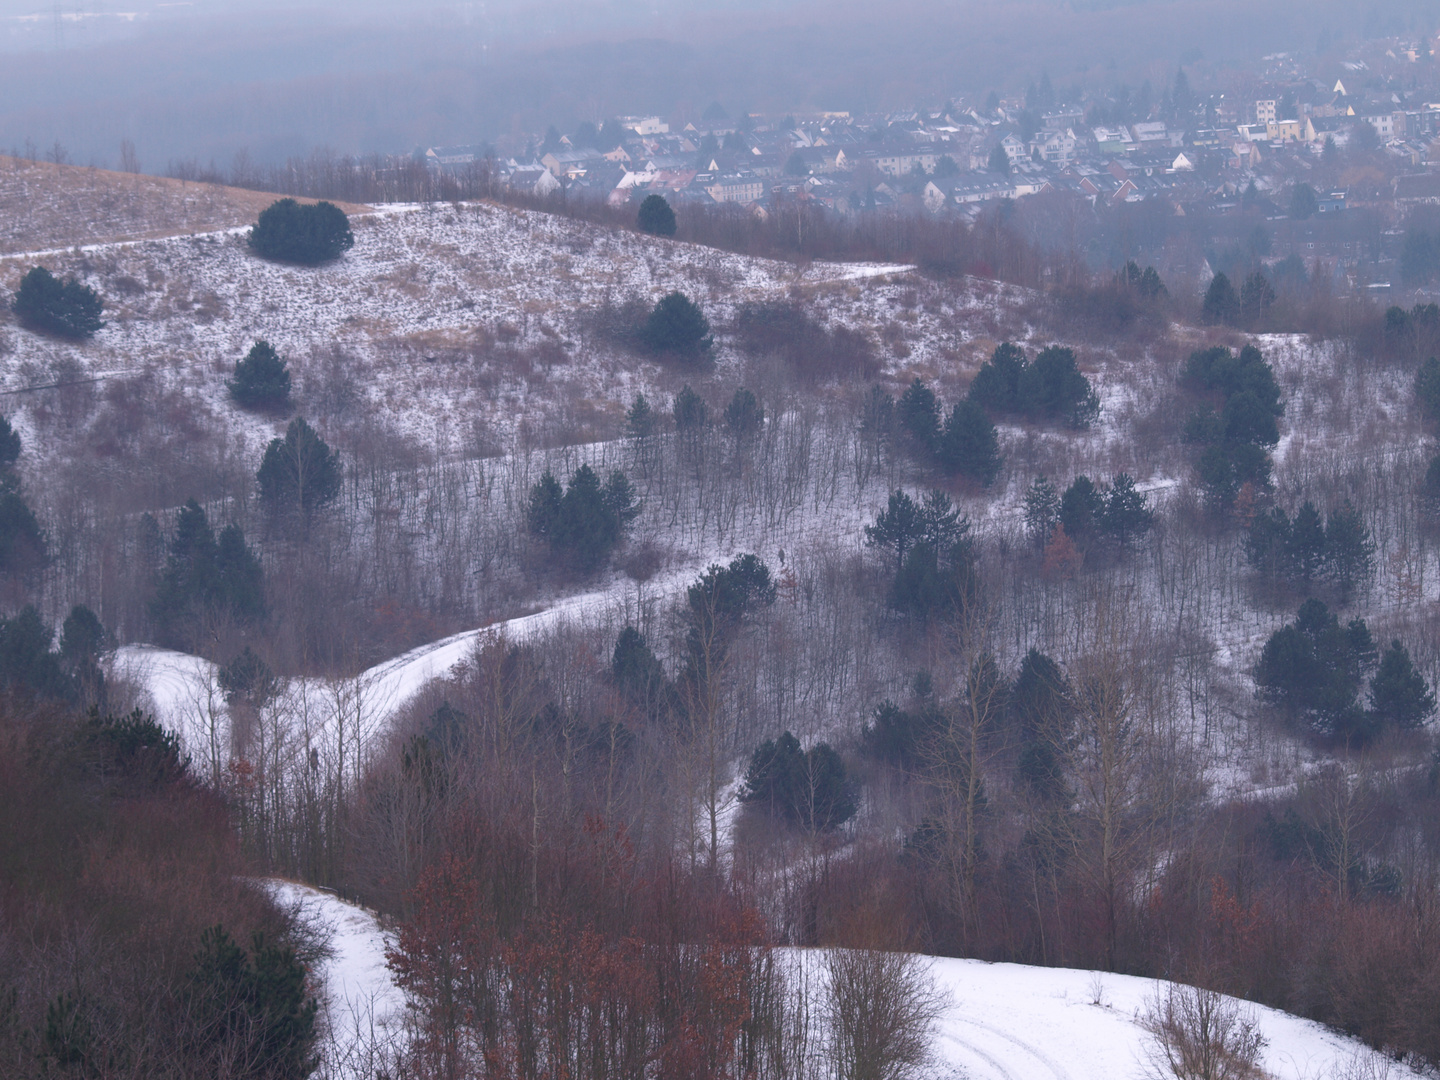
(203, 80)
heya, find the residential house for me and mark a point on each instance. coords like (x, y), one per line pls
(1056, 147)
(736, 187)
(645, 125)
(1265, 111)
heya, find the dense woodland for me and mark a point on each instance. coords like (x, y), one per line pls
(1014, 669)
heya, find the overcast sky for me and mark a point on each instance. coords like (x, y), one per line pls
(204, 79)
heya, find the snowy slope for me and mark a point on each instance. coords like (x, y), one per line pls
(1001, 1021)
(1012, 1022)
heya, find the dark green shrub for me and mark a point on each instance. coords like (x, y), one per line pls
(261, 379)
(656, 217)
(308, 234)
(677, 327)
(66, 308)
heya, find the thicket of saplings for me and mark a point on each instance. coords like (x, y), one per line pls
(1035, 709)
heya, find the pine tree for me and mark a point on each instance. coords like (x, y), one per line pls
(640, 420)
(298, 474)
(1399, 695)
(677, 327)
(688, 410)
(1221, 305)
(918, 412)
(1427, 389)
(261, 379)
(744, 415)
(1082, 509)
(656, 217)
(1127, 516)
(1313, 669)
(969, 444)
(1305, 547)
(1349, 548)
(996, 385)
(897, 527)
(9, 444)
(1042, 510)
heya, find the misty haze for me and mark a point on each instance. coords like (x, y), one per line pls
(726, 540)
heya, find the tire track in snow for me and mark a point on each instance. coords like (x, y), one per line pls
(1000, 1071)
(1057, 1071)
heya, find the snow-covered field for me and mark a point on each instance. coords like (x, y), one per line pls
(1000, 1021)
(450, 326)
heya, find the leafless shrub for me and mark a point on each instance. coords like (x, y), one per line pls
(880, 1009)
(1200, 1034)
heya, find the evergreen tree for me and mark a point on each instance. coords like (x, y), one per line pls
(811, 789)
(1221, 305)
(249, 679)
(300, 473)
(641, 421)
(744, 415)
(1127, 516)
(1303, 203)
(203, 577)
(1399, 695)
(933, 584)
(688, 410)
(637, 672)
(310, 234)
(251, 1008)
(897, 528)
(67, 308)
(918, 412)
(1082, 509)
(1305, 546)
(1313, 669)
(999, 162)
(24, 546)
(1054, 387)
(27, 666)
(239, 577)
(83, 642)
(677, 327)
(1245, 419)
(261, 379)
(9, 444)
(1256, 296)
(1349, 548)
(1042, 510)
(656, 217)
(1427, 389)
(996, 385)
(969, 444)
(585, 522)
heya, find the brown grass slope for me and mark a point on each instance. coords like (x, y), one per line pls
(45, 206)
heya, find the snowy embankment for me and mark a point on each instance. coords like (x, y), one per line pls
(1000, 1022)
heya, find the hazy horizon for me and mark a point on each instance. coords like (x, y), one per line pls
(203, 80)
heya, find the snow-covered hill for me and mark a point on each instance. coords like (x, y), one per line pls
(1000, 1022)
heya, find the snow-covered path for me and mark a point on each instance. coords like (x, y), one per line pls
(364, 1009)
(1001, 1021)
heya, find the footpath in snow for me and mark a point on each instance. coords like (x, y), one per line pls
(1001, 1021)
